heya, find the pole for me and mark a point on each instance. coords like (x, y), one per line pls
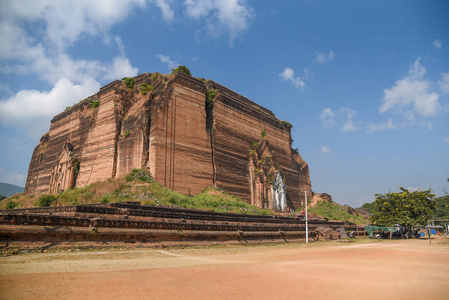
(307, 220)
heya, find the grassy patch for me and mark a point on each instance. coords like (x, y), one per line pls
(336, 212)
(140, 186)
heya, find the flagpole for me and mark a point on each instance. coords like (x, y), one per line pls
(307, 219)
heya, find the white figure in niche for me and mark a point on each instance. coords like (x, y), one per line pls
(279, 193)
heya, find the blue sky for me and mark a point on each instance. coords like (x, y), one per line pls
(364, 83)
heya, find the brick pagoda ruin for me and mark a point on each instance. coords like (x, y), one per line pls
(190, 133)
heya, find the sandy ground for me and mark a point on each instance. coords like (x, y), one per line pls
(397, 269)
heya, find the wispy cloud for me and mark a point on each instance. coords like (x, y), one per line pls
(325, 150)
(167, 12)
(412, 95)
(437, 44)
(388, 125)
(444, 83)
(289, 75)
(166, 59)
(344, 119)
(446, 139)
(322, 57)
(221, 16)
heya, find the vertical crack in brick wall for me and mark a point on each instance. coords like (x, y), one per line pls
(210, 123)
(116, 138)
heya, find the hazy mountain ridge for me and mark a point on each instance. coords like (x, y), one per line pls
(7, 189)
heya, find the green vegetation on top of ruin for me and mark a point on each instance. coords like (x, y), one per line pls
(129, 82)
(286, 124)
(93, 103)
(181, 69)
(145, 88)
(210, 96)
(335, 212)
(138, 186)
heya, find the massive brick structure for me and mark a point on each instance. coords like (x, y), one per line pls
(189, 133)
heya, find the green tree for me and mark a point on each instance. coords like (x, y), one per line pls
(404, 207)
(2, 197)
(442, 207)
(183, 70)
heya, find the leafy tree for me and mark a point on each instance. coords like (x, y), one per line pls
(2, 197)
(182, 69)
(404, 207)
(442, 207)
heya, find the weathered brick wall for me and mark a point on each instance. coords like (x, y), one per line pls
(180, 151)
(167, 131)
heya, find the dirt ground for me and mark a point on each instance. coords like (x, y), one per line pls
(396, 269)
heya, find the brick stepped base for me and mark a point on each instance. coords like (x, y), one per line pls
(134, 222)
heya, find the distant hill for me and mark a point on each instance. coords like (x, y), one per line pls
(7, 189)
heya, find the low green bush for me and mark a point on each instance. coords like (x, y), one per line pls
(145, 88)
(139, 175)
(129, 82)
(182, 69)
(46, 200)
(11, 204)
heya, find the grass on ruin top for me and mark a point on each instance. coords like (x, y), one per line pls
(139, 186)
(336, 212)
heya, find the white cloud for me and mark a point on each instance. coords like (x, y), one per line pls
(31, 108)
(325, 149)
(446, 139)
(322, 57)
(166, 59)
(388, 125)
(412, 94)
(344, 119)
(64, 21)
(221, 15)
(41, 48)
(289, 75)
(444, 83)
(437, 44)
(167, 12)
(327, 117)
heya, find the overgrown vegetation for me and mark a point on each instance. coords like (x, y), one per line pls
(93, 103)
(155, 76)
(139, 175)
(263, 134)
(145, 88)
(127, 134)
(129, 82)
(334, 211)
(11, 204)
(286, 124)
(46, 200)
(210, 96)
(181, 69)
(140, 186)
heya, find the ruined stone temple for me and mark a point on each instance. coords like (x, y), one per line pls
(189, 133)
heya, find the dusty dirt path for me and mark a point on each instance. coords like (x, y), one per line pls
(404, 269)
